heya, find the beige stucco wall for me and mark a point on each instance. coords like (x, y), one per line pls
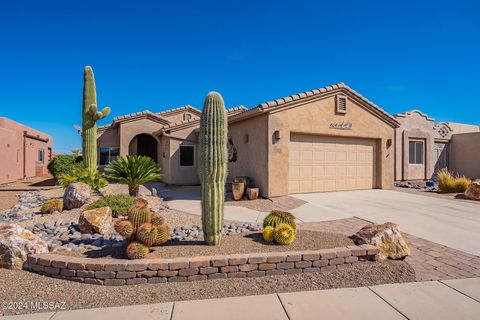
(465, 154)
(315, 117)
(252, 155)
(177, 117)
(415, 125)
(174, 173)
(12, 151)
(463, 128)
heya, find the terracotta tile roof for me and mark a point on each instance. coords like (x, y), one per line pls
(179, 109)
(269, 105)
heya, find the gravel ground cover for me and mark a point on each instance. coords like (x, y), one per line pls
(8, 199)
(247, 242)
(32, 287)
(266, 205)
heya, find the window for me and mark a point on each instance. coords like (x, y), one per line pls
(41, 155)
(186, 156)
(341, 104)
(108, 154)
(415, 152)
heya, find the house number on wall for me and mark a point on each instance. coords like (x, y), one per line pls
(344, 125)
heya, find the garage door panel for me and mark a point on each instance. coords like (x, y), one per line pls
(320, 163)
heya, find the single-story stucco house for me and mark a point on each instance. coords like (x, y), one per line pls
(327, 139)
(423, 147)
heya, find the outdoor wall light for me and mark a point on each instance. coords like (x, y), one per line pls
(389, 143)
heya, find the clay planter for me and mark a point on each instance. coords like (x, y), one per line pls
(244, 179)
(252, 193)
(238, 189)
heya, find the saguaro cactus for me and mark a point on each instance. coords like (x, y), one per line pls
(213, 157)
(90, 115)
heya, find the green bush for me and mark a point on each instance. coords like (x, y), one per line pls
(64, 164)
(118, 203)
(95, 180)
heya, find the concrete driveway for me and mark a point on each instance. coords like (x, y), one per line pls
(453, 223)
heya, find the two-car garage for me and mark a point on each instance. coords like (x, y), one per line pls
(326, 163)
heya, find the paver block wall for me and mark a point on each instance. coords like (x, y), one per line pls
(118, 272)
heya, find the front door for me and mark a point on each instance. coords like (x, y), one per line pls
(441, 156)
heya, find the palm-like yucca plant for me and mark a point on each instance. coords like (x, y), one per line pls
(134, 171)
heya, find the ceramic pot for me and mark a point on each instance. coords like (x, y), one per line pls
(238, 189)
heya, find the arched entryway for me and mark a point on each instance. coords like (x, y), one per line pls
(144, 145)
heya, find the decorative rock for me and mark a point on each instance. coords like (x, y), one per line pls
(76, 195)
(473, 191)
(16, 243)
(154, 203)
(97, 220)
(386, 237)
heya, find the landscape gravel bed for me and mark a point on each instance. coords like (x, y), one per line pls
(247, 242)
(32, 287)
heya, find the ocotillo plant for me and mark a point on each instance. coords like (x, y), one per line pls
(213, 165)
(90, 115)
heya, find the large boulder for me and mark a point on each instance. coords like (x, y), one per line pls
(76, 195)
(473, 191)
(386, 237)
(97, 220)
(16, 243)
(154, 203)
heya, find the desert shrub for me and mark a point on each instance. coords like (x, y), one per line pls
(96, 180)
(118, 203)
(52, 205)
(64, 164)
(448, 182)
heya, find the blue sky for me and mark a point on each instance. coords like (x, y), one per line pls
(162, 54)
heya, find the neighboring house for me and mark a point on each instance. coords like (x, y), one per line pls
(24, 152)
(327, 139)
(423, 147)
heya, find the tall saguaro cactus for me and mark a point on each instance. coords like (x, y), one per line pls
(213, 165)
(90, 115)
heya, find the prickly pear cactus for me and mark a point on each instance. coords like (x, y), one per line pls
(213, 165)
(90, 115)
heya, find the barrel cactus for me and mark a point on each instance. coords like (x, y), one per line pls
(142, 229)
(163, 233)
(284, 234)
(147, 234)
(137, 250)
(124, 228)
(90, 115)
(277, 217)
(268, 233)
(139, 213)
(213, 165)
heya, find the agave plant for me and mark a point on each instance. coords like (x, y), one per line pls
(134, 171)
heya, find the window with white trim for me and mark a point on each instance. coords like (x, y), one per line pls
(415, 152)
(41, 155)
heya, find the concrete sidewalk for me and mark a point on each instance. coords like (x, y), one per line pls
(450, 299)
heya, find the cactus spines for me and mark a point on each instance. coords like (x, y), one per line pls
(268, 233)
(284, 234)
(163, 233)
(147, 234)
(157, 219)
(213, 165)
(124, 228)
(90, 115)
(276, 217)
(139, 213)
(137, 250)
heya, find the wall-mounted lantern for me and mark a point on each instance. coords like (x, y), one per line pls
(389, 143)
(276, 136)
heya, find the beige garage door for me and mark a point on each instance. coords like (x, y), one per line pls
(321, 163)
